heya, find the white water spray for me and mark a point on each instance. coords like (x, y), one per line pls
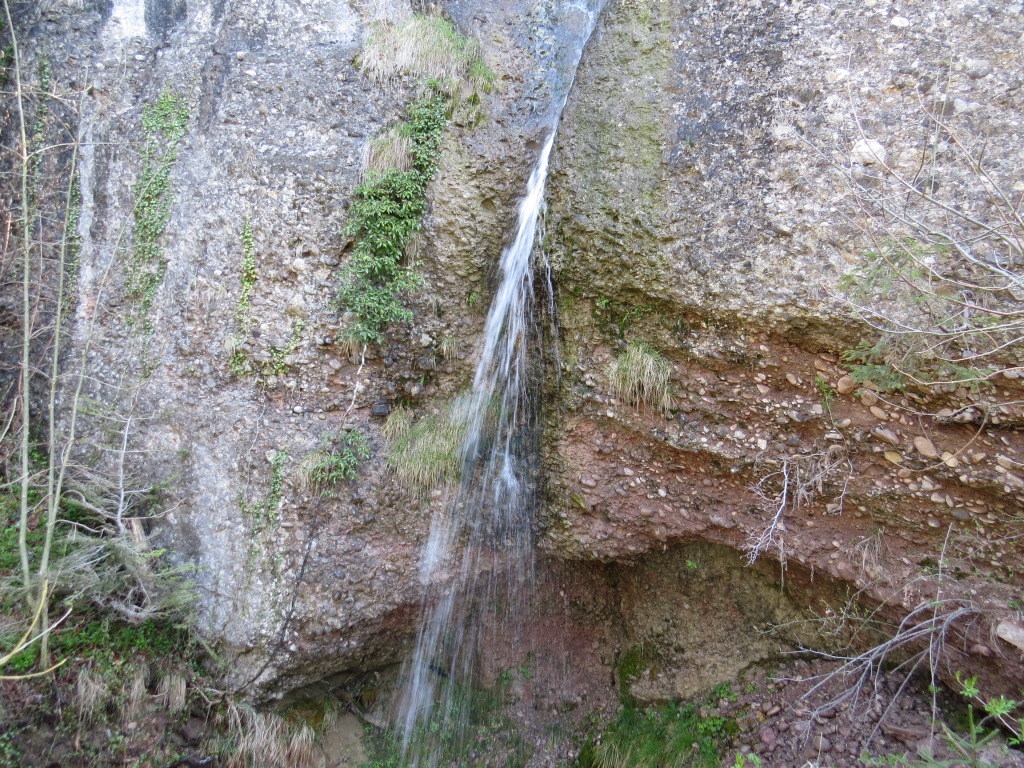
(482, 541)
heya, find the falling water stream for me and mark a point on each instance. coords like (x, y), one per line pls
(480, 545)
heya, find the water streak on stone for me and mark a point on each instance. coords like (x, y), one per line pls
(480, 546)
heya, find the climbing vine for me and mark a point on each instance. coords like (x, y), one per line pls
(264, 512)
(164, 125)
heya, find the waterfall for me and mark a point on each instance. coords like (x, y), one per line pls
(480, 546)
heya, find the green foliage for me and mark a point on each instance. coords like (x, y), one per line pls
(868, 365)
(640, 375)
(671, 734)
(240, 363)
(828, 394)
(633, 663)
(265, 512)
(742, 761)
(383, 218)
(481, 76)
(100, 638)
(972, 749)
(164, 125)
(11, 755)
(391, 201)
(468, 733)
(243, 319)
(37, 139)
(616, 319)
(336, 462)
(278, 365)
(723, 691)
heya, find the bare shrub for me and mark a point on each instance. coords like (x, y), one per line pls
(942, 280)
(797, 483)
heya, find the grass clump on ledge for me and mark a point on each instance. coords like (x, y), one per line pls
(427, 46)
(390, 151)
(640, 376)
(428, 453)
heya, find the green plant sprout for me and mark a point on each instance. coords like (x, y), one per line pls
(335, 462)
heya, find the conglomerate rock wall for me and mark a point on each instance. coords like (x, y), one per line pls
(703, 200)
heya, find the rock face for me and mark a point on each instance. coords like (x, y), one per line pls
(699, 203)
(710, 190)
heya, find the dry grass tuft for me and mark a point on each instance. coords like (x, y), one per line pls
(263, 741)
(424, 45)
(137, 690)
(640, 376)
(173, 692)
(429, 454)
(390, 151)
(450, 348)
(91, 695)
(398, 424)
(301, 750)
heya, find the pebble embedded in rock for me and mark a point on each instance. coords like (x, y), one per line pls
(977, 68)
(868, 152)
(1011, 632)
(893, 457)
(887, 435)
(925, 447)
